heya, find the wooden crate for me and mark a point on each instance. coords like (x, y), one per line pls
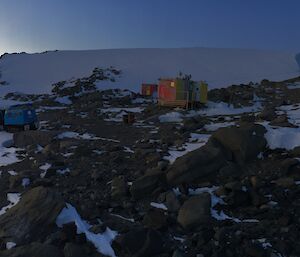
(129, 118)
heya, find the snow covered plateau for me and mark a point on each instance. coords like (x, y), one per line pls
(35, 73)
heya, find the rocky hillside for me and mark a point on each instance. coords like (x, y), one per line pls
(222, 180)
(35, 73)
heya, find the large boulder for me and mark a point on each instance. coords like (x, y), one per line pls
(201, 163)
(145, 185)
(195, 211)
(268, 113)
(155, 219)
(172, 202)
(74, 250)
(33, 137)
(141, 242)
(32, 217)
(244, 142)
(33, 249)
(119, 187)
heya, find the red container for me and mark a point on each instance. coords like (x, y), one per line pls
(172, 92)
(167, 90)
(149, 89)
(129, 118)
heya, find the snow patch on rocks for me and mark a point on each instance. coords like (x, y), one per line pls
(292, 112)
(101, 241)
(196, 141)
(8, 154)
(282, 137)
(13, 199)
(215, 126)
(222, 108)
(171, 117)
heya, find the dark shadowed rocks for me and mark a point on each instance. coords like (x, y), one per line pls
(74, 250)
(147, 184)
(172, 202)
(33, 137)
(245, 142)
(155, 219)
(32, 250)
(195, 211)
(119, 187)
(268, 114)
(141, 242)
(201, 163)
(229, 171)
(32, 217)
(255, 250)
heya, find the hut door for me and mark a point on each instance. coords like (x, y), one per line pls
(148, 91)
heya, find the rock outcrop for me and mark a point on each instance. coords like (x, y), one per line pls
(195, 211)
(244, 142)
(32, 216)
(196, 165)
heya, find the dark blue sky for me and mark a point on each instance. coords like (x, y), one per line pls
(38, 25)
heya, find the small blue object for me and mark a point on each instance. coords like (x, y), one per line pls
(21, 116)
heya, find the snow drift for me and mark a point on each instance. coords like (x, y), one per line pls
(35, 73)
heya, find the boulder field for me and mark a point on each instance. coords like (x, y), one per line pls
(223, 180)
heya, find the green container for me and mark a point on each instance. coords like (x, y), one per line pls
(180, 88)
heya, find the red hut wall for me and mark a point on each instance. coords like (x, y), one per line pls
(167, 90)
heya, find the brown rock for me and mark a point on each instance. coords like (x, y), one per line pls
(195, 211)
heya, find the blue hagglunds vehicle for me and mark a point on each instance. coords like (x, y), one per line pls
(20, 117)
